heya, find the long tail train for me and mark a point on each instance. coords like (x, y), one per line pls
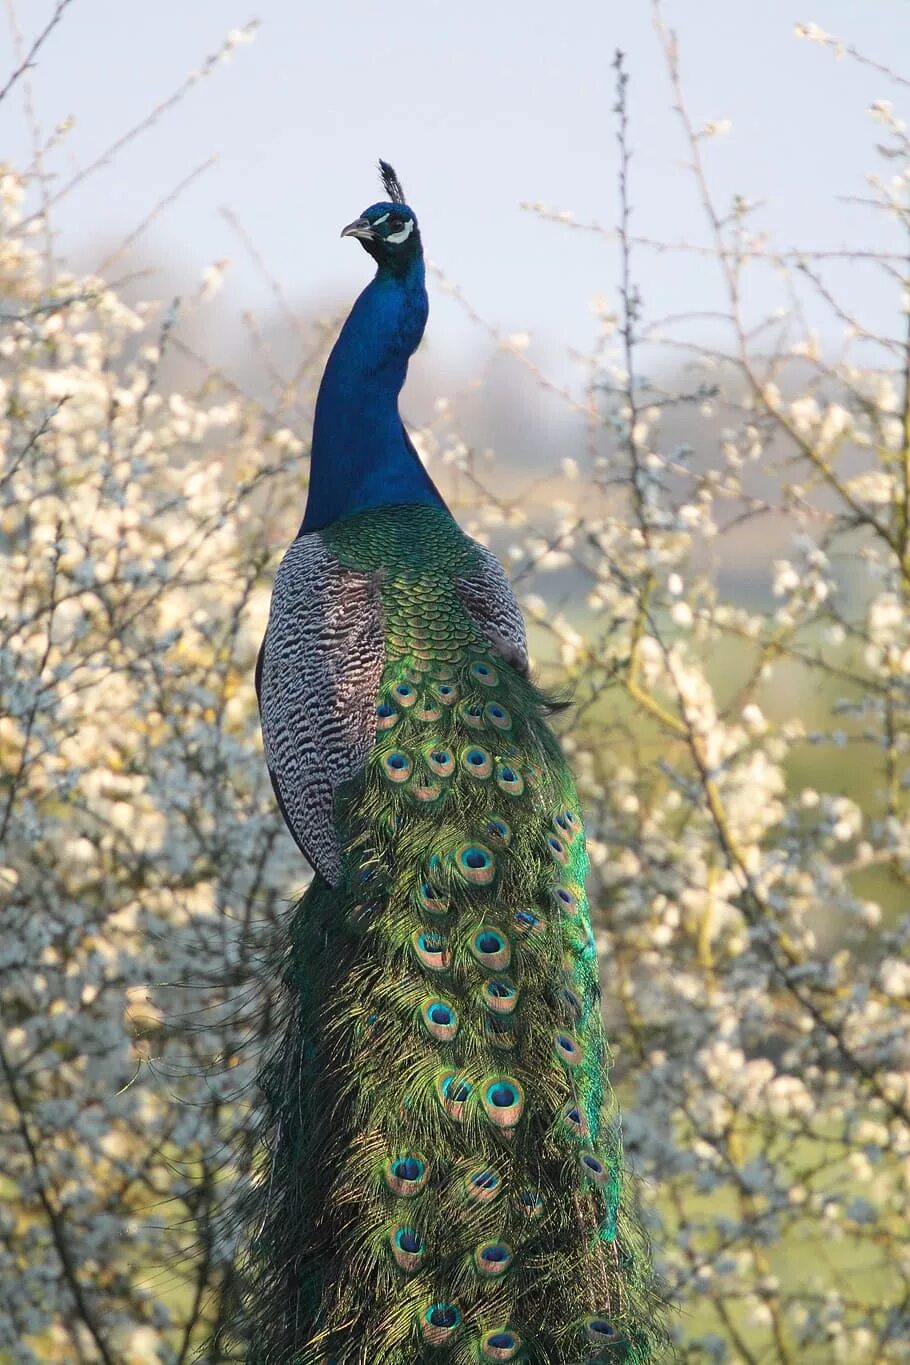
(443, 1177)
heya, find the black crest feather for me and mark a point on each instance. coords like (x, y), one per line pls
(390, 182)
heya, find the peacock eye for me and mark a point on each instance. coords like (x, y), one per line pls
(396, 222)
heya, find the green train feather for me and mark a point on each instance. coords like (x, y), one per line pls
(445, 1179)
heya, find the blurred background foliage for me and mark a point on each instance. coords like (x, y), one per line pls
(703, 497)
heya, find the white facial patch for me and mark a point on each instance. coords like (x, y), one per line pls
(377, 221)
(403, 235)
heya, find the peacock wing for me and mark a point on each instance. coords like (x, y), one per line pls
(317, 676)
(487, 596)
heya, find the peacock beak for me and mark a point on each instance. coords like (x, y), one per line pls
(361, 228)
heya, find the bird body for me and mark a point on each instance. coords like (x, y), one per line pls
(442, 1171)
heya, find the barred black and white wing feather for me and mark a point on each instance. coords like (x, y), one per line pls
(316, 679)
(487, 596)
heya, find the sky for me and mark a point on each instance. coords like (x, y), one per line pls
(480, 106)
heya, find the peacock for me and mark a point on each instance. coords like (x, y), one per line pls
(440, 1174)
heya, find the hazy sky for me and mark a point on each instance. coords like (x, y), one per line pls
(479, 106)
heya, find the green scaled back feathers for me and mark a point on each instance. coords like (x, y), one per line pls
(445, 1173)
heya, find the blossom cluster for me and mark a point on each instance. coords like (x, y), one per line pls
(141, 858)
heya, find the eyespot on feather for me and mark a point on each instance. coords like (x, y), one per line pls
(397, 766)
(484, 673)
(500, 1344)
(431, 900)
(440, 1019)
(477, 761)
(482, 1185)
(593, 1169)
(453, 1093)
(574, 1120)
(441, 762)
(571, 1001)
(407, 1247)
(509, 780)
(492, 1259)
(500, 996)
(404, 694)
(491, 948)
(499, 831)
(497, 715)
(472, 715)
(386, 716)
(600, 1331)
(567, 824)
(557, 849)
(503, 1100)
(406, 1175)
(528, 922)
(566, 1048)
(566, 900)
(431, 950)
(440, 1322)
(475, 863)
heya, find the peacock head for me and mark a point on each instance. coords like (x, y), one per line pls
(388, 231)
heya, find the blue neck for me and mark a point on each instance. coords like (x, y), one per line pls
(361, 454)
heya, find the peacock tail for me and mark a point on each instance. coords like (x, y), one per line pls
(446, 1181)
(441, 1161)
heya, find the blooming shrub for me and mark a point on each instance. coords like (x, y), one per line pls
(744, 770)
(140, 845)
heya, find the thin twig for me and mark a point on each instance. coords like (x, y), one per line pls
(35, 47)
(107, 156)
(155, 212)
(56, 1221)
